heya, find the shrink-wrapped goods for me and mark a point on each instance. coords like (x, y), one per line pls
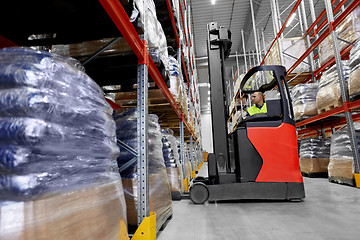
(329, 94)
(176, 79)
(354, 64)
(347, 30)
(154, 32)
(57, 152)
(314, 155)
(159, 189)
(304, 100)
(172, 163)
(341, 167)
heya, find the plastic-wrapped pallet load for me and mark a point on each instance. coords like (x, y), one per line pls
(304, 100)
(314, 155)
(348, 30)
(329, 95)
(155, 33)
(176, 79)
(172, 163)
(354, 83)
(187, 165)
(159, 189)
(341, 167)
(58, 172)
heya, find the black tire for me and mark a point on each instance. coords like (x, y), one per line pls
(199, 179)
(199, 193)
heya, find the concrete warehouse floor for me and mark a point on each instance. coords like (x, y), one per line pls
(330, 211)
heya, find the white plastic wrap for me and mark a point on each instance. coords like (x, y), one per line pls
(354, 83)
(154, 32)
(314, 155)
(345, 31)
(304, 100)
(57, 152)
(55, 127)
(341, 167)
(329, 95)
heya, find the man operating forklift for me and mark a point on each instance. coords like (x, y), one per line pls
(257, 98)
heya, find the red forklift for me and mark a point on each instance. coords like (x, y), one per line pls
(259, 159)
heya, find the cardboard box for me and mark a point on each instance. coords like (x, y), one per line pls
(96, 212)
(314, 165)
(174, 179)
(341, 170)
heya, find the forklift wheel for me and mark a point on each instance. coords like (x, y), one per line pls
(199, 179)
(199, 193)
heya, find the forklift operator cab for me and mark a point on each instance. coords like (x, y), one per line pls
(266, 161)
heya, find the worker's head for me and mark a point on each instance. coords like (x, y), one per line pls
(257, 98)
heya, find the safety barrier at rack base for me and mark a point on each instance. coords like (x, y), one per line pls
(147, 229)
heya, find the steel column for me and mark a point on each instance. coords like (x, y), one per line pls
(244, 51)
(311, 55)
(313, 17)
(276, 27)
(142, 140)
(254, 30)
(182, 152)
(142, 133)
(263, 40)
(343, 88)
(191, 153)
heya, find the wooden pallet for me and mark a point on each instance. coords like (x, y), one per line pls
(315, 174)
(343, 181)
(296, 79)
(166, 223)
(330, 107)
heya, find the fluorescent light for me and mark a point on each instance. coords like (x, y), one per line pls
(209, 92)
(290, 19)
(213, 2)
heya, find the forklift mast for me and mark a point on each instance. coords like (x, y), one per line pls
(218, 47)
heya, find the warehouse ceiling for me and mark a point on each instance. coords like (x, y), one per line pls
(236, 15)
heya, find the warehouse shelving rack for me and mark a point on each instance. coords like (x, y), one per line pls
(146, 67)
(314, 35)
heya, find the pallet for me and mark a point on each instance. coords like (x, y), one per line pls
(330, 107)
(165, 223)
(343, 181)
(315, 174)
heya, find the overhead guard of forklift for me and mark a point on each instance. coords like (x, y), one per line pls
(277, 69)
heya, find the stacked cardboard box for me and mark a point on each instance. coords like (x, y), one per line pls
(304, 100)
(329, 95)
(341, 168)
(347, 30)
(314, 155)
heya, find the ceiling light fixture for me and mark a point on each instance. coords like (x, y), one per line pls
(292, 17)
(213, 2)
